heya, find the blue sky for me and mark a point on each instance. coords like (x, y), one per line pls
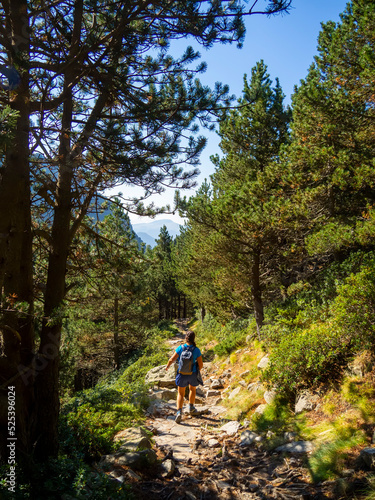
(286, 43)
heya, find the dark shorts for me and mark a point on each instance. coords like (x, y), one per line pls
(185, 380)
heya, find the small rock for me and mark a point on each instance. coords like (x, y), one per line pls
(270, 396)
(260, 409)
(254, 386)
(245, 374)
(242, 383)
(306, 401)
(217, 384)
(212, 392)
(248, 438)
(168, 468)
(231, 428)
(222, 485)
(289, 436)
(234, 393)
(296, 447)
(264, 362)
(213, 443)
(347, 472)
(133, 475)
(200, 392)
(252, 487)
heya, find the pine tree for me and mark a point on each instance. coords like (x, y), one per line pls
(332, 151)
(247, 210)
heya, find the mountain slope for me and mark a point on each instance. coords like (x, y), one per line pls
(149, 231)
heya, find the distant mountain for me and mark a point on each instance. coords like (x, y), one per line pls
(149, 231)
(146, 238)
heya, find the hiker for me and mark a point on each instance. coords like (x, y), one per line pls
(190, 362)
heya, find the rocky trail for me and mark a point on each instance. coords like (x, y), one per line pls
(207, 457)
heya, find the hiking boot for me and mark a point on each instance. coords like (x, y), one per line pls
(193, 411)
(178, 417)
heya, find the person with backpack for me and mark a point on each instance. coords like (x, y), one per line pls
(189, 363)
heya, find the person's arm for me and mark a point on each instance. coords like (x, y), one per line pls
(172, 359)
(200, 362)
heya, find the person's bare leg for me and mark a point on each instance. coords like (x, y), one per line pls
(180, 402)
(192, 393)
(180, 397)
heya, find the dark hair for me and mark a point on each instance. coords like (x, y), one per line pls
(190, 338)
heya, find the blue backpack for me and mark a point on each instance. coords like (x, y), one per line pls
(185, 363)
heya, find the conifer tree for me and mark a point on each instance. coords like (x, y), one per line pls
(247, 211)
(332, 149)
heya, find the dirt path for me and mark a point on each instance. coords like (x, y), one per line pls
(202, 461)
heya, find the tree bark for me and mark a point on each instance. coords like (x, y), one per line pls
(16, 239)
(257, 292)
(116, 349)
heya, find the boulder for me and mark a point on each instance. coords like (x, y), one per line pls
(164, 394)
(161, 377)
(137, 459)
(367, 457)
(133, 439)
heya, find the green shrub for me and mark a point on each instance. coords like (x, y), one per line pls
(63, 478)
(91, 418)
(308, 358)
(232, 336)
(354, 308)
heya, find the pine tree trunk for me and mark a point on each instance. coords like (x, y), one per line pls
(16, 246)
(256, 292)
(115, 336)
(47, 381)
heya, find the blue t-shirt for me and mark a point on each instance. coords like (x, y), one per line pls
(196, 354)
